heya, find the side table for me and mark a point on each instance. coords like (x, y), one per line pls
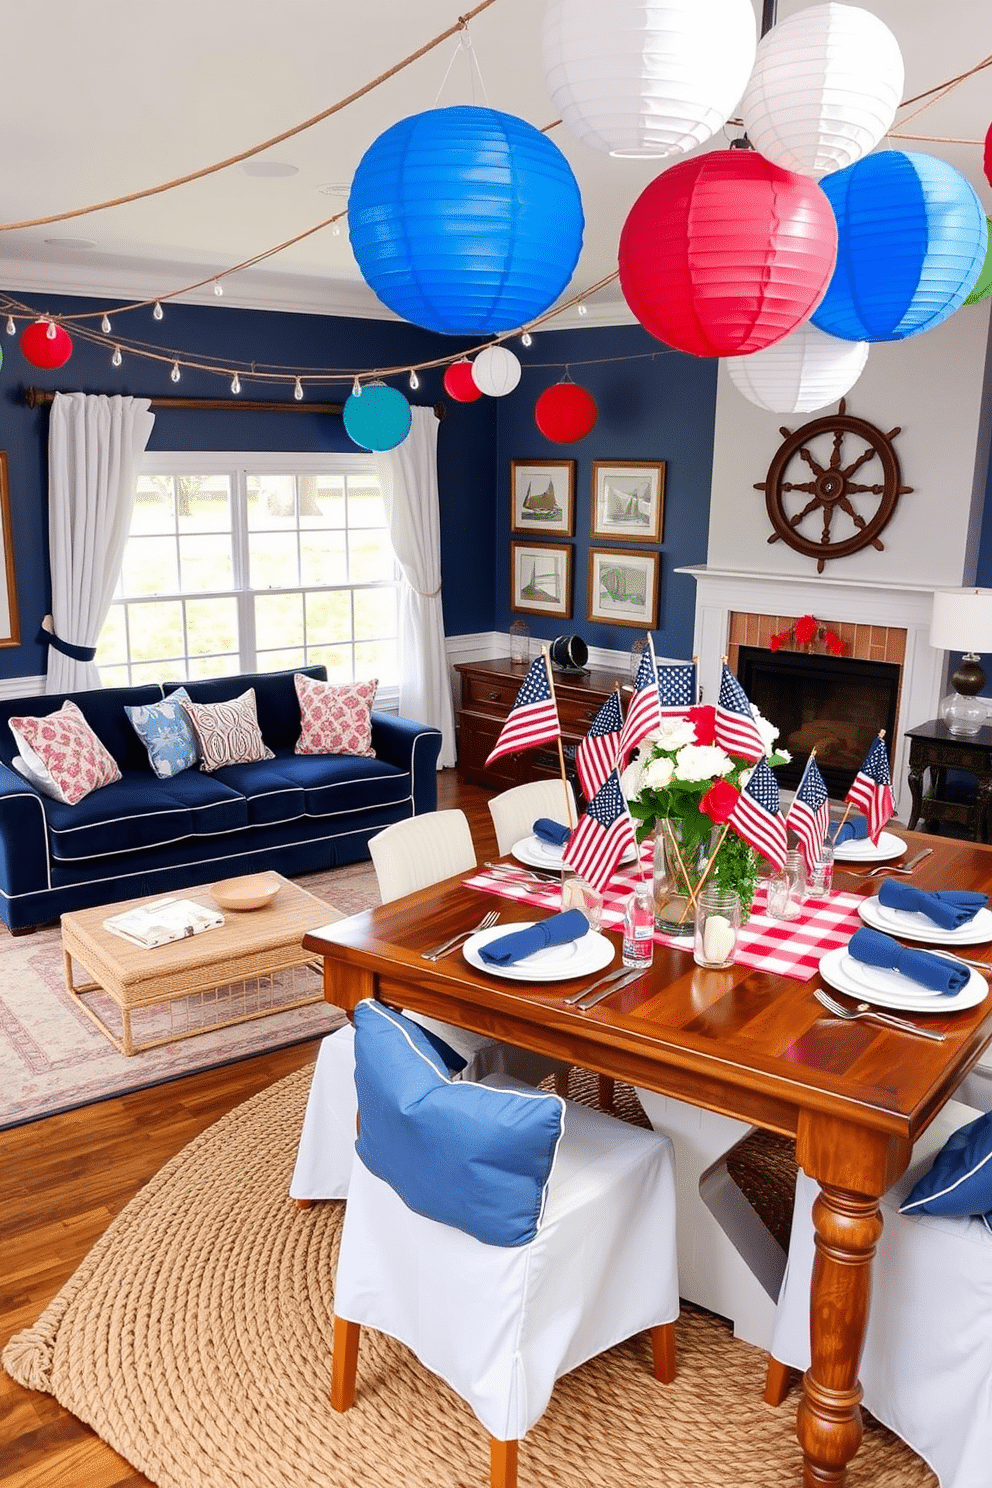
(933, 747)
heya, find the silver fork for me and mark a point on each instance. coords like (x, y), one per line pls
(865, 1010)
(894, 867)
(486, 923)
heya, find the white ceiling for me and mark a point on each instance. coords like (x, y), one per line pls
(109, 97)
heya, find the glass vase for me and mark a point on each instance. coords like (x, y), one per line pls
(678, 871)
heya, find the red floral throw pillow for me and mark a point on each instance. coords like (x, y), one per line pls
(63, 754)
(335, 717)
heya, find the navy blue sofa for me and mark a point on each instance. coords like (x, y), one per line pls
(143, 835)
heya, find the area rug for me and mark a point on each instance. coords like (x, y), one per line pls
(53, 1058)
(195, 1339)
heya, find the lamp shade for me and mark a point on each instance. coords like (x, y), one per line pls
(465, 220)
(726, 253)
(646, 77)
(459, 382)
(378, 418)
(824, 90)
(43, 350)
(807, 369)
(962, 620)
(565, 412)
(911, 242)
(983, 284)
(496, 371)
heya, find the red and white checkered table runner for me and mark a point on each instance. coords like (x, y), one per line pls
(790, 948)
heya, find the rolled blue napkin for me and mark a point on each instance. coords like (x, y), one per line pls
(923, 967)
(948, 908)
(851, 831)
(507, 950)
(551, 831)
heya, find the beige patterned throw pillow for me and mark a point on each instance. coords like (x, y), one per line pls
(228, 732)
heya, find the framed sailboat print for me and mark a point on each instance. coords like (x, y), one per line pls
(541, 579)
(623, 587)
(628, 500)
(542, 497)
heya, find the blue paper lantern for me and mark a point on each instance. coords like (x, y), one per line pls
(911, 241)
(465, 220)
(378, 418)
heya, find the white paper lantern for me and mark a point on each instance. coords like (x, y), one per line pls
(496, 371)
(647, 77)
(824, 90)
(805, 370)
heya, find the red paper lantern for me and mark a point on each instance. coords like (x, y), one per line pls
(988, 155)
(459, 383)
(45, 351)
(727, 253)
(565, 412)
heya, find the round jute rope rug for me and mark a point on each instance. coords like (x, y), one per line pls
(196, 1339)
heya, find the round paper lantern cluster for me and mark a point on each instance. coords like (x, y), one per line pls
(725, 254)
(465, 220)
(378, 418)
(646, 77)
(43, 350)
(805, 370)
(496, 371)
(825, 88)
(565, 413)
(983, 284)
(911, 242)
(459, 382)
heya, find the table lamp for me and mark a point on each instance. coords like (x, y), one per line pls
(962, 621)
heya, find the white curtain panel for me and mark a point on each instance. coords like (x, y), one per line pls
(95, 444)
(408, 479)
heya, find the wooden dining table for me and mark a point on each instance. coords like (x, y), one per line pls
(855, 1096)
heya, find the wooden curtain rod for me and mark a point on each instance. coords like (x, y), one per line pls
(36, 397)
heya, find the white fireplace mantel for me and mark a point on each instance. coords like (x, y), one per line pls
(719, 591)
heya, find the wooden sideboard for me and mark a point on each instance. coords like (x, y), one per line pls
(489, 690)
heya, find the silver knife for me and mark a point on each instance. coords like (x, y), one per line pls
(590, 1002)
(611, 976)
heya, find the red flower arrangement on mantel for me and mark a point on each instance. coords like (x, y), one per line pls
(806, 631)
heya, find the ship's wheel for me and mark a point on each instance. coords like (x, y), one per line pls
(853, 484)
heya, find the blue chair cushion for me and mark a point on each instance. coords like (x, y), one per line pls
(960, 1181)
(470, 1156)
(166, 732)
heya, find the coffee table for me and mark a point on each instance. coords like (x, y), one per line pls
(224, 976)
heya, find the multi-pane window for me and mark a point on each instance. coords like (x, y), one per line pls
(254, 563)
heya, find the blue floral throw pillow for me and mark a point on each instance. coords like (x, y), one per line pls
(166, 732)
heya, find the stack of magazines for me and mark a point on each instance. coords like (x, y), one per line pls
(164, 921)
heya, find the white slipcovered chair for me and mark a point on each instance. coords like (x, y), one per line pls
(515, 811)
(545, 1228)
(927, 1363)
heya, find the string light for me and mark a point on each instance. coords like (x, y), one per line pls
(11, 327)
(116, 359)
(581, 310)
(218, 288)
(356, 388)
(235, 383)
(175, 374)
(414, 379)
(526, 339)
(298, 390)
(158, 312)
(336, 230)
(51, 332)
(105, 325)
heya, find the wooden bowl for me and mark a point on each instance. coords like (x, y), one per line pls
(252, 891)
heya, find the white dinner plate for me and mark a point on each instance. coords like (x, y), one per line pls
(913, 926)
(577, 958)
(538, 854)
(890, 989)
(865, 851)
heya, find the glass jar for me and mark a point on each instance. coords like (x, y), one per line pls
(678, 870)
(520, 641)
(787, 889)
(576, 893)
(820, 880)
(638, 927)
(718, 923)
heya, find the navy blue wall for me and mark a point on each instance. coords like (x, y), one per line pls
(654, 404)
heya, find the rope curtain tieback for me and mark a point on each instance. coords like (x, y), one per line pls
(77, 653)
(423, 594)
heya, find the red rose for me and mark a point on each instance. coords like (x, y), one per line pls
(805, 629)
(834, 644)
(719, 801)
(703, 720)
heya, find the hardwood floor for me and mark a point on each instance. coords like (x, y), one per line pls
(63, 1179)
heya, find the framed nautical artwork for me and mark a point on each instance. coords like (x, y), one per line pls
(623, 587)
(628, 500)
(542, 497)
(541, 579)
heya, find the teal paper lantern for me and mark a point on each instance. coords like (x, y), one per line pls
(465, 220)
(377, 418)
(911, 242)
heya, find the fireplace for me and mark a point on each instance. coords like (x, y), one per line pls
(835, 705)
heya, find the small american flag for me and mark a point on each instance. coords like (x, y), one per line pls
(872, 789)
(533, 719)
(736, 730)
(597, 755)
(644, 711)
(757, 818)
(677, 689)
(809, 814)
(603, 835)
